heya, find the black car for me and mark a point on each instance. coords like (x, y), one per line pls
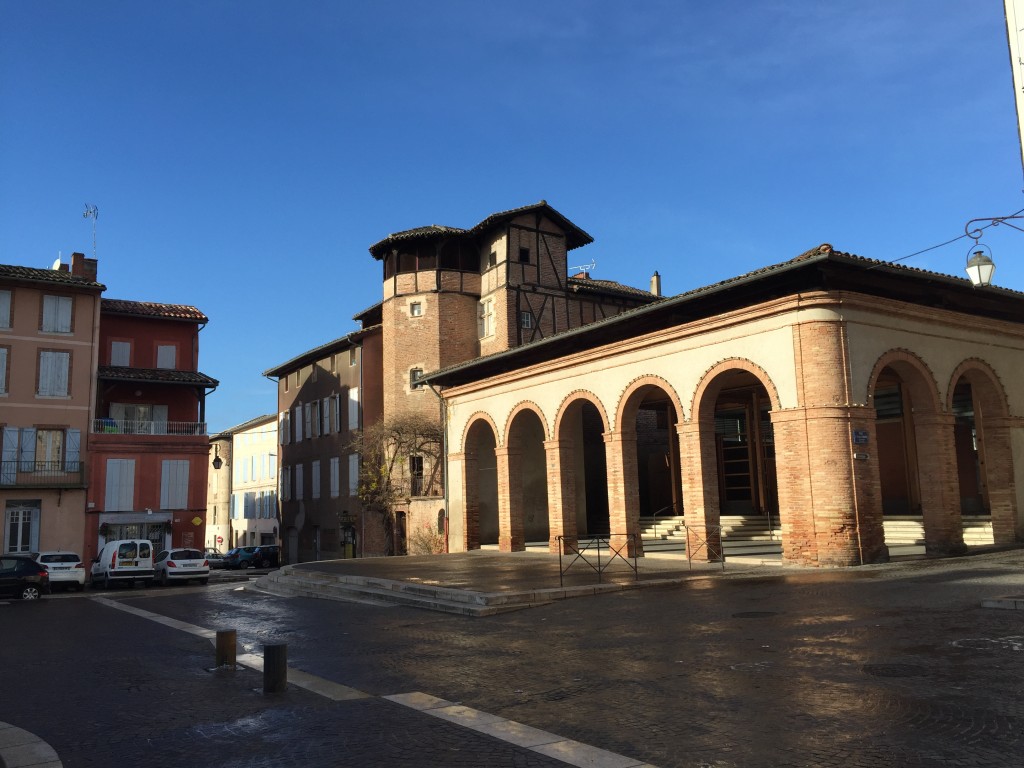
(23, 578)
(267, 556)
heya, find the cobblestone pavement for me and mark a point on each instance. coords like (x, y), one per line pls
(894, 665)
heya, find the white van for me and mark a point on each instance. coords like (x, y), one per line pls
(128, 560)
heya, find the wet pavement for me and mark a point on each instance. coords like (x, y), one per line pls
(895, 665)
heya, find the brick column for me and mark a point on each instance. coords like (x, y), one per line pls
(940, 490)
(698, 461)
(623, 492)
(829, 499)
(997, 467)
(561, 495)
(469, 514)
(511, 532)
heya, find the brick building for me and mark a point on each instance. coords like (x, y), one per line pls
(830, 392)
(449, 295)
(325, 395)
(148, 442)
(102, 414)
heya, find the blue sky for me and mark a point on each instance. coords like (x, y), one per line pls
(244, 155)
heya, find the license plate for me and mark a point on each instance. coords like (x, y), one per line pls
(60, 568)
(126, 563)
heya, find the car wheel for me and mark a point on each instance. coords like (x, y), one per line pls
(106, 581)
(245, 564)
(163, 578)
(204, 582)
(30, 592)
(265, 564)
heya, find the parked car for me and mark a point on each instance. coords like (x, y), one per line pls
(123, 560)
(66, 569)
(214, 557)
(267, 556)
(23, 578)
(182, 564)
(239, 557)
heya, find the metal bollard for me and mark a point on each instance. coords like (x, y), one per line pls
(275, 668)
(227, 641)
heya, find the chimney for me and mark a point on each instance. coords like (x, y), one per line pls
(83, 267)
(656, 284)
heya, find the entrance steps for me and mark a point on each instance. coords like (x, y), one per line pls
(742, 535)
(296, 581)
(905, 535)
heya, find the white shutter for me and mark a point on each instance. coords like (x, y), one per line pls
(49, 313)
(315, 480)
(3, 367)
(5, 309)
(353, 474)
(120, 353)
(174, 484)
(72, 450)
(297, 420)
(353, 408)
(298, 482)
(53, 373)
(120, 485)
(159, 419)
(325, 415)
(307, 412)
(335, 477)
(336, 412)
(283, 427)
(234, 506)
(64, 314)
(166, 356)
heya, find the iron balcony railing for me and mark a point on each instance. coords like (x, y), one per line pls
(41, 474)
(128, 427)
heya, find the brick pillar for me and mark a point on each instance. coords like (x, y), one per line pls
(511, 531)
(623, 493)
(940, 490)
(997, 467)
(470, 512)
(829, 494)
(698, 460)
(561, 495)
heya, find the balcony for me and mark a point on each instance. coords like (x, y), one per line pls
(127, 427)
(41, 474)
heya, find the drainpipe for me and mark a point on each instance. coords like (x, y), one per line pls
(444, 451)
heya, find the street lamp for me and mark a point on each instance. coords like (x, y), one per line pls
(979, 266)
(218, 462)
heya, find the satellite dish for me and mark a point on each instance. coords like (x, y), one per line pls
(56, 263)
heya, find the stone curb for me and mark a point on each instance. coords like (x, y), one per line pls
(21, 749)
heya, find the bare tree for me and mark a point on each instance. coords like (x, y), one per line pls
(386, 449)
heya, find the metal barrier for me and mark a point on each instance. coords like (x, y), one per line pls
(579, 551)
(708, 538)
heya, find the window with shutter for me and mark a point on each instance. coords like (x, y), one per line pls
(53, 373)
(166, 356)
(120, 496)
(314, 479)
(4, 353)
(353, 408)
(120, 353)
(5, 309)
(335, 477)
(56, 314)
(298, 482)
(353, 474)
(174, 484)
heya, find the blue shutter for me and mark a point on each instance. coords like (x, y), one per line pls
(9, 457)
(27, 454)
(72, 450)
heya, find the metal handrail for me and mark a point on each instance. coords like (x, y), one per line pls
(580, 553)
(133, 427)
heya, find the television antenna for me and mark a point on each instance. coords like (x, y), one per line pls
(92, 212)
(585, 267)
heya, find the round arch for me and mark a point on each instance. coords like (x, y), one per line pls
(914, 372)
(574, 398)
(716, 378)
(474, 421)
(525, 406)
(983, 378)
(633, 396)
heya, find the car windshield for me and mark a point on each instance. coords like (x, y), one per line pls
(60, 557)
(128, 550)
(187, 554)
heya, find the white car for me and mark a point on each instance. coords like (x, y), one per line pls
(183, 564)
(66, 569)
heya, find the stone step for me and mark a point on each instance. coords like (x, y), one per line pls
(294, 582)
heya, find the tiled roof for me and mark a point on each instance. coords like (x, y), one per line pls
(152, 309)
(264, 419)
(577, 283)
(316, 353)
(575, 237)
(154, 376)
(669, 310)
(54, 276)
